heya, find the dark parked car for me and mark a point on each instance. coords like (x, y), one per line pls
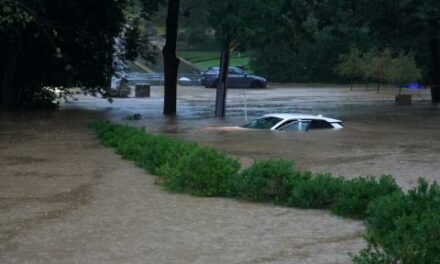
(237, 78)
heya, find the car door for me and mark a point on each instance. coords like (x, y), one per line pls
(236, 78)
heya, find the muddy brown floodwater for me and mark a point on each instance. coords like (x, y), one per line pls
(66, 199)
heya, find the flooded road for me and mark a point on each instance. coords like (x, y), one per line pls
(379, 137)
(66, 199)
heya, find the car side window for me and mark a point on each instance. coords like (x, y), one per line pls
(298, 125)
(235, 72)
(320, 124)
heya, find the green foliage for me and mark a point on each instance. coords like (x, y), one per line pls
(14, 14)
(59, 44)
(380, 66)
(401, 227)
(405, 226)
(182, 166)
(356, 194)
(205, 59)
(196, 35)
(274, 62)
(367, 65)
(267, 181)
(132, 39)
(371, 255)
(350, 64)
(203, 172)
(318, 191)
(403, 70)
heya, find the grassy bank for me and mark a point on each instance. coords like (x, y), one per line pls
(401, 227)
(205, 59)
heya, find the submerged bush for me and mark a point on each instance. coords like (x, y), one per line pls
(355, 195)
(401, 227)
(203, 172)
(267, 181)
(371, 255)
(406, 226)
(316, 191)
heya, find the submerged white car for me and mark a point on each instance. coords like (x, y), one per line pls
(293, 122)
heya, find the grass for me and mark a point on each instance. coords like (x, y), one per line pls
(205, 59)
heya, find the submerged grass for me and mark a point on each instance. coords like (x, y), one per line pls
(401, 227)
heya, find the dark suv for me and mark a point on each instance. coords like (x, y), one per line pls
(237, 78)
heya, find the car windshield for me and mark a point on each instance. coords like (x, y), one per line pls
(263, 123)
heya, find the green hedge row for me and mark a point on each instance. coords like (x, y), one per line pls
(401, 227)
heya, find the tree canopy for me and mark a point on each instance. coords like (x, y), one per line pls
(49, 43)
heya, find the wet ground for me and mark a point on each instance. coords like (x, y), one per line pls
(66, 199)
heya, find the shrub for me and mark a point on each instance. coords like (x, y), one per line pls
(147, 151)
(406, 226)
(130, 147)
(371, 255)
(356, 194)
(162, 151)
(267, 181)
(401, 228)
(316, 191)
(203, 172)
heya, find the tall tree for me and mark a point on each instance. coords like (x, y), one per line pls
(350, 65)
(45, 43)
(408, 26)
(240, 24)
(66, 43)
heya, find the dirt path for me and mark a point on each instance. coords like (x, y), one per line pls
(66, 199)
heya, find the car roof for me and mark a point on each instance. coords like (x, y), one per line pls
(287, 116)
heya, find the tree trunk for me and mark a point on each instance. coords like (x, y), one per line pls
(435, 69)
(220, 102)
(7, 83)
(171, 62)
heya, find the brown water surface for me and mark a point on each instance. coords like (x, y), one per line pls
(66, 199)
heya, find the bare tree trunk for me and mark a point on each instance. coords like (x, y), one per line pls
(171, 62)
(435, 69)
(220, 102)
(7, 83)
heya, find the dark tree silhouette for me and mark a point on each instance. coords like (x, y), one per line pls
(171, 62)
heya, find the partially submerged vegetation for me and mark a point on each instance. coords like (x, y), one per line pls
(401, 227)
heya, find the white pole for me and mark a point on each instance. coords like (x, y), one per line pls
(245, 106)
